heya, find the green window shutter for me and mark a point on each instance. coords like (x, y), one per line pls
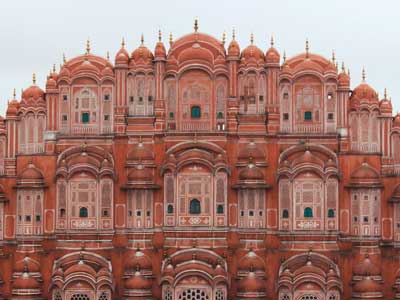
(194, 207)
(85, 117)
(308, 213)
(307, 115)
(195, 112)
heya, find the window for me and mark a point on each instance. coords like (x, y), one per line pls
(285, 96)
(171, 115)
(105, 213)
(331, 213)
(150, 98)
(37, 218)
(285, 214)
(64, 117)
(261, 98)
(307, 116)
(83, 212)
(62, 212)
(195, 207)
(65, 97)
(308, 213)
(85, 117)
(195, 112)
(330, 116)
(170, 209)
(131, 99)
(330, 96)
(106, 117)
(286, 116)
(220, 115)
(241, 98)
(140, 99)
(106, 97)
(220, 209)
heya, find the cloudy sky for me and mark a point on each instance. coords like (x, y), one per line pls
(35, 33)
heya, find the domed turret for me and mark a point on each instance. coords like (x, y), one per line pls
(252, 53)
(344, 78)
(13, 106)
(159, 51)
(272, 55)
(233, 48)
(251, 173)
(396, 121)
(385, 105)
(364, 93)
(138, 282)
(142, 55)
(33, 92)
(122, 56)
(251, 284)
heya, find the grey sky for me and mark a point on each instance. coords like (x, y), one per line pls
(34, 34)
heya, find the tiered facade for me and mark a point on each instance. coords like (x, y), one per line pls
(200, 173)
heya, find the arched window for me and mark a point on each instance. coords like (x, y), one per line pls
(195, 207)
(220, 115)
(83, 212)
(195, 112)
(220, 209)
(308, 213)
(170, 209)
(285, 214)
(331, 213)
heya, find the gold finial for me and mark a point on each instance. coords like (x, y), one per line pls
(272, 41)
(196, 24)
(108, 55)
(223, 37)
(54, 68)
(34, 79)
(142, 39)
(88, 47)
(171, 38)
(159, 35)
(363, 74)
(233, 34)
(284, 56)
(64, 58)
(348, 72)
(307, 47)
(343, 68)
(123, 43)
(333, 57)
(14, 93)
(252, 38)
(385, 93)
(336, 65)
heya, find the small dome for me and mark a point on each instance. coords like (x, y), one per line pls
(159, 51)
(251, 172)
(252, 52)
(138, 282)
(307, 158)
(364, 92)
(251, 150)
(142, 55)
(86, 66)
(343, 79)
(122, 56)
(31, 172)
(140, 153)
(366, 267)
(365, 174)
(251, 261)
(386, 106)
(272, 55)
(367, 285)
(251, 284)
(233, 48)
(396, 120)
(80, 268)
(12, 108)
(33, 92)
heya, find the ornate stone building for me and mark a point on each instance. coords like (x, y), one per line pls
(204, 172)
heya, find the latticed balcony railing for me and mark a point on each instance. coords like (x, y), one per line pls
(86, 129)
(195, 126)
(365, 147)
(31, 148)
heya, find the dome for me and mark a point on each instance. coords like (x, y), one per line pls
(307, 158)
(86, 66)
(343, 78)
(80, 268)
(364, 92)
(138, 282)
(107, 71)
(31, 172)
(233, 48)
(26, 282)
(159, 51)
(252, 52)
(50, 83)
(272, 55)
(33, 92)
(251, 172)
(251, 284)
(386, 105)
(367, 285)
(122, 56)
(142, 55)
(251, 150)
(396, 120)
(12, 108)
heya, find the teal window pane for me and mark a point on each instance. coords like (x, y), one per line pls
(195, 112)
(194, 207)
(308, 213)
(85, 117)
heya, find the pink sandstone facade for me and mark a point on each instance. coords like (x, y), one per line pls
(200, 173)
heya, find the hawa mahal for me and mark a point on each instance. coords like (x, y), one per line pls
(204, 172)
